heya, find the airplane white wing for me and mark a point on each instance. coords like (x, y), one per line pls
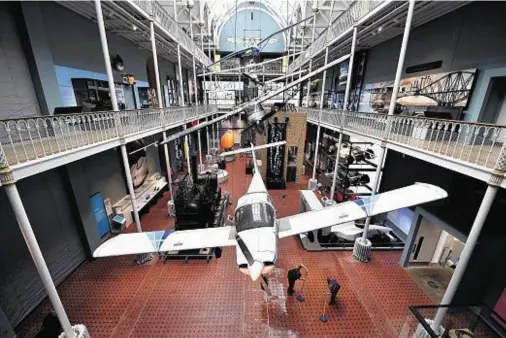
(415, 194)
(168, 240)
(199, 238)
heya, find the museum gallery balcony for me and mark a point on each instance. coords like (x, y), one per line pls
(30, 145)
(472, 149)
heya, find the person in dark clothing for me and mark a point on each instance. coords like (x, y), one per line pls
(294, 275)
(334, 288)
(51, 327)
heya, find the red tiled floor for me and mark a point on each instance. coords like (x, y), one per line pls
(114, 297)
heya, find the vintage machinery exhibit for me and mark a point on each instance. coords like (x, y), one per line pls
(199, 204)
(355, 164)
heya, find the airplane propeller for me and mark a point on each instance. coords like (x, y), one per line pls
(255, 267)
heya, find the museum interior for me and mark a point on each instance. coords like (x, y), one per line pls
(262, 168)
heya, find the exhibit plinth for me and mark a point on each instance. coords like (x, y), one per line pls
(171, 208)
(422, 333)
(362, 249)
(312, 184)
(80, 331)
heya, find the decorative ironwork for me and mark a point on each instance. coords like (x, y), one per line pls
(478, 144)
(31, 139)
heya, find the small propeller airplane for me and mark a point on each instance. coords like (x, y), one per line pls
(257, 228)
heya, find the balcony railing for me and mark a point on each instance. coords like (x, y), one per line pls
(33, 138)
(163, 18)
(482, 145)
(346, 20)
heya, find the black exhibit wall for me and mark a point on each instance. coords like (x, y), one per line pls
(47, 201)
(469, 37)
(485, 277)
(102, 173)
(459, 211)
(464, 193)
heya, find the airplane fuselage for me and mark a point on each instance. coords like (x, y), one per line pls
(257, 227)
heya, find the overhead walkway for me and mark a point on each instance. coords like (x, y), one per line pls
(369, 15)
(472, 149)
(168, 33)
(32, 145)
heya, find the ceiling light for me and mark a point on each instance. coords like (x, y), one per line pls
(134, 27)
(396, 21)
(380, 28)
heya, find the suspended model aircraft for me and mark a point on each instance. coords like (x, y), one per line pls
(255, 51)
(257, 228)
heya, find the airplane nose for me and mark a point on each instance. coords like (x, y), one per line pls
(255, 270)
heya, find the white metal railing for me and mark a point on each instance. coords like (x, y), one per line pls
(163, 18)
(473, 143)
(33, 138)
(346, 20)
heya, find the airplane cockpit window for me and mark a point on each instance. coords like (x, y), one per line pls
(255, 215)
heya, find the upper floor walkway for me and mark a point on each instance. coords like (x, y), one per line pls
(473, 149)
(35, 144)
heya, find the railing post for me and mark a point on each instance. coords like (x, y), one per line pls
(362, 247)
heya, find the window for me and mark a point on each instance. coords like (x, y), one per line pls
(252, 16)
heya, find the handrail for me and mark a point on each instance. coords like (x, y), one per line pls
(478, 144)
(357, 10)
(172, 28)
(27, 139)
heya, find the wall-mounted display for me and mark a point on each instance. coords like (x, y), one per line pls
(100, 213)
(138, 161)
(449, 89)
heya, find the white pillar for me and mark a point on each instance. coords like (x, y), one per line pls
(105, 51)
(112, 90)
(315, 10)
(377, 176)
(155, 63)
(315, 163)
(130, 186)
(180, 71)
(362, 247)
(465, 256)
(167, 162)
(398, 74)
(196, 86)
(336, 166)
(179, 65)
(294, 45)
(350, 68)
(288, 54)
(187, 150)
(402, 56)
(33, 246)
